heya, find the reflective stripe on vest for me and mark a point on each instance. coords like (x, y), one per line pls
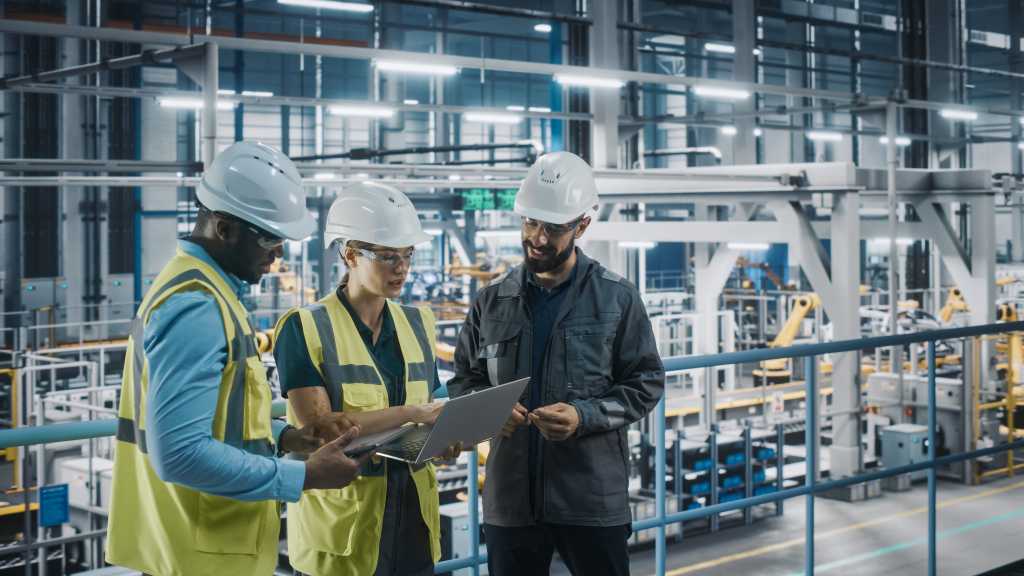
(420, 370)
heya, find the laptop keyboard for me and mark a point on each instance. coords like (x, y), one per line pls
(408, 447)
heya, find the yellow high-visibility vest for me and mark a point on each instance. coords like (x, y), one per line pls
(339, 531)
(167, 529)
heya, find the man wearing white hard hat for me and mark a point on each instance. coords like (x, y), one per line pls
(557, 475)
(357, 352)
(197, 480)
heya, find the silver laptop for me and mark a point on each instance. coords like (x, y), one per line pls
(469, 419)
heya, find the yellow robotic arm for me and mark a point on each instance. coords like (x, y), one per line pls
(954, 303)
(778, 370)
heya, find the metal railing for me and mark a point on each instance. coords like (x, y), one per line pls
(662, 519)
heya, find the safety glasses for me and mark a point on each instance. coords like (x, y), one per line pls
(550, 230)
(389, 259)
(264, 239)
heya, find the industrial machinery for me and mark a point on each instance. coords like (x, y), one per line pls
(905, 444)
(908, 405)
(954, 303)
(744, 263)
(777, 371)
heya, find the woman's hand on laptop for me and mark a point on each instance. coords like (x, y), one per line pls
(425, 413)
(330, 426)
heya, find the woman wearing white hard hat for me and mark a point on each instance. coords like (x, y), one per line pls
(359, 353)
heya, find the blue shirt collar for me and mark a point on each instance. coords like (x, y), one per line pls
(241, 287)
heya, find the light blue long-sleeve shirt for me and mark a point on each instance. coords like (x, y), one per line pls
(186, 348)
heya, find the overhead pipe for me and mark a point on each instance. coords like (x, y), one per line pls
(146, 57)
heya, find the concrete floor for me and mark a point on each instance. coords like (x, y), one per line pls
(979, 528)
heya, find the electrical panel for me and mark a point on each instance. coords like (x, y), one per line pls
(905, 444)
(46, 303)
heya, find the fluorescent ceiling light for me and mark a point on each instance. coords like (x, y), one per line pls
(954, 114)
(639, 244)
(258, 93)
(900, 140)
(192, 103)
(498, 233)
(758, 132)
(756, 51)
(885, 241)
(330, 5)
(750, 246)
(822, 136)
(410, 102)
(722, 93)
(720, 48)
(669, 39)
(225, 92)
(415, 67)
(362, 111)
(542, 28)
(728, 130)
(539, 109)
(323, 176)
(493, 118)
(454, 177)
(588, 81)
(515, 108)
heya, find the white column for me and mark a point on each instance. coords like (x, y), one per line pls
(845, 257)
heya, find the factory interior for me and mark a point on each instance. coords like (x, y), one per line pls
(813, 198)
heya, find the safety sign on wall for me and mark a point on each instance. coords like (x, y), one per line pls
(53, 505)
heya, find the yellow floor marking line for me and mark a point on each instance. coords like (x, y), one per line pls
(754, 552)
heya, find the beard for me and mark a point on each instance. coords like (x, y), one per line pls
(550, 260)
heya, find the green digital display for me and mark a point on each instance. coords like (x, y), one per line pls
(476, 199)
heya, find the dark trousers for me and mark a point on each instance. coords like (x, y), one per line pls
(586, 550)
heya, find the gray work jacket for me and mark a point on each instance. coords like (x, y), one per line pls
(601, 358)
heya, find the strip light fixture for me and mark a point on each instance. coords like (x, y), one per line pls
(824, 136)
(493, 118)
(330, 5)
(749, 246)
(415, 68)
(361, 111)
(721, 93)
(961, 115)
(720, 48)
(192, 103)
(900, 140)
(588, 81)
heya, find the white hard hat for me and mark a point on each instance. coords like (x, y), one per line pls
(558, 189)
(376, 214)
(259, 185)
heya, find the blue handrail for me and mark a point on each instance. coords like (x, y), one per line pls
(95, 429)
